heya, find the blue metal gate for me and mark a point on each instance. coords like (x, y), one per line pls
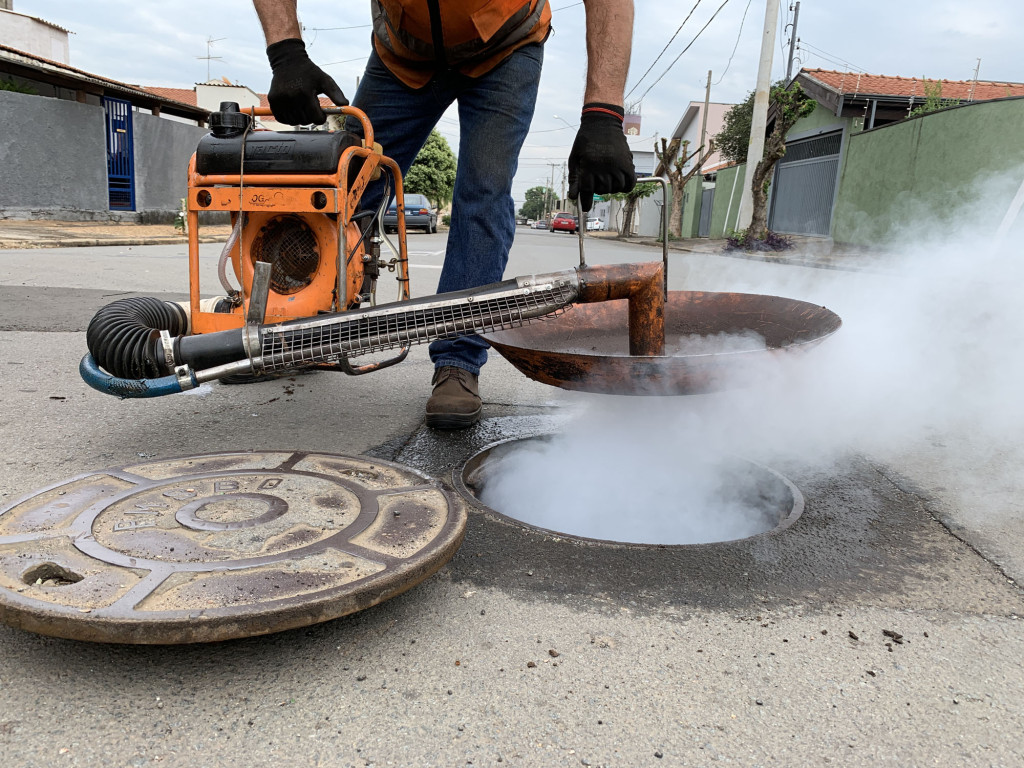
(120, 155)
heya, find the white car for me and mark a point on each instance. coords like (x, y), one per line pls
(595, 225)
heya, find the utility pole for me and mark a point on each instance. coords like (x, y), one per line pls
(759, 119)
(563, 184)
(704, 122)
(550, 193)
(792, 43)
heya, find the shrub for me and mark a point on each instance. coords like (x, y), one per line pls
(742, 241)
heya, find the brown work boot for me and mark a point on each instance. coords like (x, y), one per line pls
(455, 402)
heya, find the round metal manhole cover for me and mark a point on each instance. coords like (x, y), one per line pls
(222, 546)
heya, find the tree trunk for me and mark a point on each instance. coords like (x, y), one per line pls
(627, 217)
(759, 219)
(675, 221)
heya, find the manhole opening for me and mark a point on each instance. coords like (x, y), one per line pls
(713, 500)
(50, 575)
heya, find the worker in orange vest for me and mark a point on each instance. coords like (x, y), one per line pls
(486, 56)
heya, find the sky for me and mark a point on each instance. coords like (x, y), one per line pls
(162, 43)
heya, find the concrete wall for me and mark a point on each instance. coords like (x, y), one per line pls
(53, 156)
(937, 169)
(162, 151)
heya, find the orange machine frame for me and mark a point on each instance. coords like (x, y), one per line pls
(264, 196)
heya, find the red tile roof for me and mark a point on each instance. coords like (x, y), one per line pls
(884, 85)
(188, 95)
(184, 95)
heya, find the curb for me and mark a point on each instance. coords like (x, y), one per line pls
(94, 242)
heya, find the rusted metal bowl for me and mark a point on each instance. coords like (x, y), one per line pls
(712, 341)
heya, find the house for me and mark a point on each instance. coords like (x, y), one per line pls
(689, 129)
(78, 145)
(210, 94)
(610, 211)
(863, 162)
(33, 35)
(647, 218)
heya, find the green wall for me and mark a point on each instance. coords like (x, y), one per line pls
(691, 207)
(819, 119)
(922, 172)
(724, 187)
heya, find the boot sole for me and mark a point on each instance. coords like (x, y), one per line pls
(452, 420)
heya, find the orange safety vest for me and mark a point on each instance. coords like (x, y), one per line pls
(416, 38)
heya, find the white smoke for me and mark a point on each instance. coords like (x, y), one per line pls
(932, 345)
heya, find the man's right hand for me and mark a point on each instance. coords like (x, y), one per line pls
(297, 84)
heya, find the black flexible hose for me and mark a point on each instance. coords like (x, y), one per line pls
(124, 336)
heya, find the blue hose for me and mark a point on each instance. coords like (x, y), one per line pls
(99, 379)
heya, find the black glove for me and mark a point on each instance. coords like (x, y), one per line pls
(600, 161)
(297, 84)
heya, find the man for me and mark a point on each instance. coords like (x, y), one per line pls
(485, 55)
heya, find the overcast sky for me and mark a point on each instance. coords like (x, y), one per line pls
(153, 43)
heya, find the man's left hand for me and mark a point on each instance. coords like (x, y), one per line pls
(600, 161)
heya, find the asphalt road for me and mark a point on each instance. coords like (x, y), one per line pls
(530, 649)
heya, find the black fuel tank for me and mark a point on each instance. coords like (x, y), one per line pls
(274, 152)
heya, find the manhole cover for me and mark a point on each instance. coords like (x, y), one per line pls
(711, 500)
(221, 546)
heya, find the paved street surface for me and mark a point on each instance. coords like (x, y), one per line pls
(529, 649)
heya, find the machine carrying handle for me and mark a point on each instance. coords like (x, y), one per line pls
(350, 111)
(664, 222)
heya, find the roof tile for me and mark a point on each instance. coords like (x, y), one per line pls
(860, 84)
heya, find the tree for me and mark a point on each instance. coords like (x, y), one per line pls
(672, 166)
(791, 104)
(734, 138)
(630, 200)
(537, 201)
(433, 171)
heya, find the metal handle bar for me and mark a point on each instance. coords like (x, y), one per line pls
(352, 111)
(664, 222)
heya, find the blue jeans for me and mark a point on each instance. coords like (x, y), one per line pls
(495, 112)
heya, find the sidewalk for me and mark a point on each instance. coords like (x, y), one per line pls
(17, 233)
(816, 252)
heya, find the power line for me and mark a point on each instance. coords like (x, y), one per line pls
(677, 58)
(335, 29)
(737, 45)
(835, 59)
(637, 84)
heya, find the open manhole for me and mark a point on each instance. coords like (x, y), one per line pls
(220, 546)
(704, 500)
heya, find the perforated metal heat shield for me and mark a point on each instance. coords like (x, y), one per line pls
(502, 306)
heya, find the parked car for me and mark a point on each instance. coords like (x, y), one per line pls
(596, 225)
(564, 222)
(540, 224)
(419, 214)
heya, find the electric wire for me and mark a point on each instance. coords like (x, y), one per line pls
(736, 45)
(674, 35)
(834, 58)
(677, 58)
